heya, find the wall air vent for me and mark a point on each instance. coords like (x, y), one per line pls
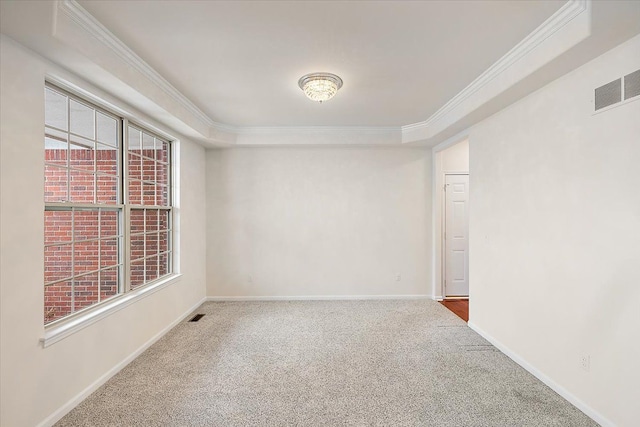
(608, 94)
(619, 90)
(632, 85)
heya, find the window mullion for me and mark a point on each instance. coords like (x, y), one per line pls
(95, 156)
(171, 158)
(144, 245)
(73, 262)
(99, 250)
(124, 161)
(68, 101)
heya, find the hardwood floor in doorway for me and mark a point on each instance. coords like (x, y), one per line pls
(460, 307)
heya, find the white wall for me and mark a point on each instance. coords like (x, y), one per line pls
(555, 236)
(450, 159)
(318, 221)
(36, 381)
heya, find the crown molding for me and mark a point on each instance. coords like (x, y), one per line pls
(273, 130)
(421, 131)
(91, 25)
(555, 22)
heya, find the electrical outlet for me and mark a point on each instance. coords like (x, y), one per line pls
(585, 362)
(398, 277)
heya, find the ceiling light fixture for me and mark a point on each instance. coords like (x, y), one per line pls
(320, 86)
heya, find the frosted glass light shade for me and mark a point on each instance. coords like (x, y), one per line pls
(320, 87)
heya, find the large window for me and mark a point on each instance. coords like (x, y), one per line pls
(148, 191)
(100, 240)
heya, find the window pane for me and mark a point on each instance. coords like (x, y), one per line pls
(151, 219)
(134, 140)
(108, 252)
(148, 170)
(85, 224)
(107, 159)
(148, 145)
(57, 301)
(137, 246)
(107, 189)
(137, 273)
(55, 151)
(109, 283)
(162, 194)
(85, 257)
(163, 242)
(134, 166)
(137, 220)
(152, 269)
(135, 192)
(148, 194)
(85, 291)
(162, 173)
(162, 151)
(81, 187)
(108, 223)
(164, 220)
(55, 184)
(107, 129)
(81, 155)
(57, 263)
(165, 267)
(55, 109)
(151, 241)
(81, 119)
(57, 226)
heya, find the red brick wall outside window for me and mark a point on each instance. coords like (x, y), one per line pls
(84, 210)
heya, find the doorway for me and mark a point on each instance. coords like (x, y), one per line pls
(451, 227)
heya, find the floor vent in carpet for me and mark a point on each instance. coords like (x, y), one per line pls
(196, 317)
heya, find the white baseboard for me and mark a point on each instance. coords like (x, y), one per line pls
(318, 298)
(67, 407)
(571, 398)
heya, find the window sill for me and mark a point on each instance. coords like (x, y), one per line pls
(64, 329)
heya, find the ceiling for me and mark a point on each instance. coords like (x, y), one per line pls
(239, 62)
(225, 73)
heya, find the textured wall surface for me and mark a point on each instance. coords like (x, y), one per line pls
(555, 236)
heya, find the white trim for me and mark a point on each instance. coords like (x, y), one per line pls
(571, 398)
(64, 409)
(318, 298)
(450, 142)
(89, 93)
(94, 28)
(269, 130)
(562, 17)
(91, 25)
(57, 332)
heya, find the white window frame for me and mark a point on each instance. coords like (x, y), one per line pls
(68, 325)
(128, 206)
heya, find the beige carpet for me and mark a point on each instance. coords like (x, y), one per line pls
(324, 363)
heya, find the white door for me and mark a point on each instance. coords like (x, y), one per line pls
(456, 238)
